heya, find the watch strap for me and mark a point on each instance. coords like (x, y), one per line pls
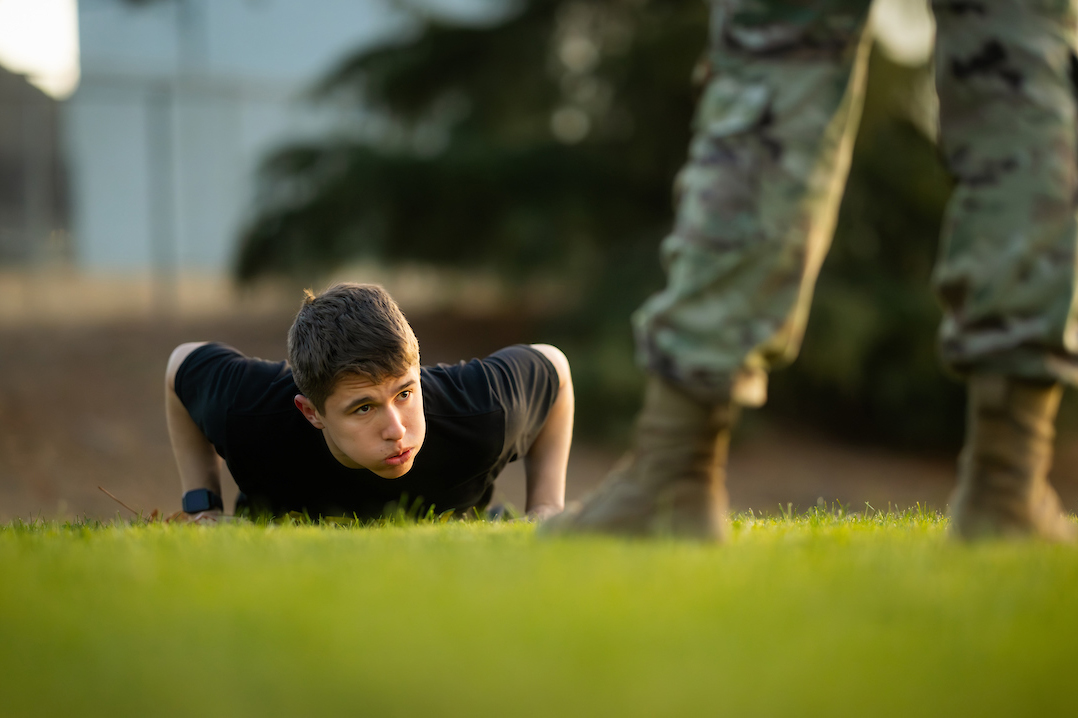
(198, 500)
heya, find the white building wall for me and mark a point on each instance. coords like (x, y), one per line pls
(109, 179)
(179, 102)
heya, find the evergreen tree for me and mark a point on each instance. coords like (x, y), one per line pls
(545, 143)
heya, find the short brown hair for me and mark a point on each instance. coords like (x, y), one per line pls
(348, 329)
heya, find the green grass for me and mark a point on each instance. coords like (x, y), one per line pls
(819, 614)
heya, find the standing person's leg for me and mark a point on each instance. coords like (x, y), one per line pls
(757, 206)
(1006, 274)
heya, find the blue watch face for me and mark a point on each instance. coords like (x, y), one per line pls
(201, 500)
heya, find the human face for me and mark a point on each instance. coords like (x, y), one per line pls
(379, 427)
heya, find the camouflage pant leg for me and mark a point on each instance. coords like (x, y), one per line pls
(1006, 273)
(759, 196)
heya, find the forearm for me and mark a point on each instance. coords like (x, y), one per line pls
(546, 461)
(195, 455)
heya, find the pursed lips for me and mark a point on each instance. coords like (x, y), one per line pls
(398, 459)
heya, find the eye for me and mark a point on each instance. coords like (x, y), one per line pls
(364, 409)
(407, 393)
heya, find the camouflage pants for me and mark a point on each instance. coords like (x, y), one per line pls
(759, 196)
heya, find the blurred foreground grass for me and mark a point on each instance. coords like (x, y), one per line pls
(825, 613)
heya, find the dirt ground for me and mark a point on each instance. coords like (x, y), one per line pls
(81, 407)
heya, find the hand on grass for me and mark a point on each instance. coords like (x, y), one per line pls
(212, 516)
(543, 512)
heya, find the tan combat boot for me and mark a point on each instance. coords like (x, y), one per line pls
(672, 482)
(1003, 487)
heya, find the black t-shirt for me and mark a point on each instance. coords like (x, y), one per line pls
(480, 415)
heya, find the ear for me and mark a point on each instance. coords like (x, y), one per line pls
(306, 407)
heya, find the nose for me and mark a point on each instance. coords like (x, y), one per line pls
(394, 428)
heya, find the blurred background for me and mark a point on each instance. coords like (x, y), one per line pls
(176, 170)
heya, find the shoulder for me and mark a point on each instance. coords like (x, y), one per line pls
(525, 359)
(493, 383)
(557, 360)
(227, 376)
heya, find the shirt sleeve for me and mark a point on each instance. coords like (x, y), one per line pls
(207, 383)
(526, 384)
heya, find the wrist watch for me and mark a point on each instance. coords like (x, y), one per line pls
(201, 500)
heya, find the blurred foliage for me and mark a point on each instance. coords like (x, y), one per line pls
(544, 144)
(869, 368)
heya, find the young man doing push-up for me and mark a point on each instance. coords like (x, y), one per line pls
(352, 424)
